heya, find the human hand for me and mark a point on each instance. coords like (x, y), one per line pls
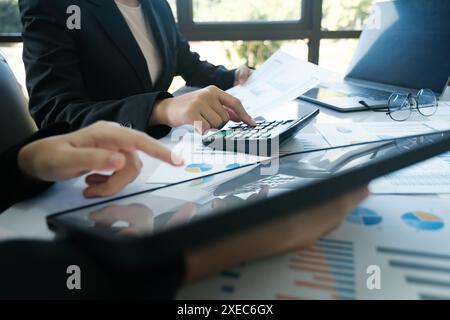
(285, 235)
(104, 146)
(208, 108)
(242, 74)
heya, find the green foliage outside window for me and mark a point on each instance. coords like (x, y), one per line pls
(9, 17)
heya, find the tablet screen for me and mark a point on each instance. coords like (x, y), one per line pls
(227, 193)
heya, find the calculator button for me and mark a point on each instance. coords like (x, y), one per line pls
(225, 133)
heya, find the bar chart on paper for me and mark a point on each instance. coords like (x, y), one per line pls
(406, 237)
(325, 271)
(426, 273)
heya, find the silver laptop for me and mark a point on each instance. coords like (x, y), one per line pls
(404, 47)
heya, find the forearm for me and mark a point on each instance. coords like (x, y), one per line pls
(134, 111)
(15, 185)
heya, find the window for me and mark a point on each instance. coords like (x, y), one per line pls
(10, 28)
(324, 24)
(231, 32)
(345, 14)
(246, 11)
(9, 17)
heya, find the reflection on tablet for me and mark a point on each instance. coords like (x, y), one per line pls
(182, 204)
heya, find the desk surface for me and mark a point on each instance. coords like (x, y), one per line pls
(27, 219)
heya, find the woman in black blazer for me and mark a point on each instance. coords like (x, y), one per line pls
(36, 269)
(99, 72)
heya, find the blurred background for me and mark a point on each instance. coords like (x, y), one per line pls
(235, 32)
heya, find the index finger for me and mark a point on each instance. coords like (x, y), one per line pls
(235, 104)
(118, 138)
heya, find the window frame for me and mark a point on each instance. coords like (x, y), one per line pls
(309, 28)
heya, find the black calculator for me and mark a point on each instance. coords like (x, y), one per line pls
(263, 140)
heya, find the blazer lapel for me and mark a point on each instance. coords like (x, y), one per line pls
(158, 31)
(117, 29)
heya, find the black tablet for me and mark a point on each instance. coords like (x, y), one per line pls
(166, 222)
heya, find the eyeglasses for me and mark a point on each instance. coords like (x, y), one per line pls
(401, 105)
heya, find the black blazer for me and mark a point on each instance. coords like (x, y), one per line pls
(99, 71)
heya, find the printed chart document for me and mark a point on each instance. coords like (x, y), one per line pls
(304, 142)
(342, 134)
(443, 111)
(429, 177)
(404, 237)
(282, 78)
(200, 161)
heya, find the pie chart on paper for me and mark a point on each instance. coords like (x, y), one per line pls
(201, 181)
(233, 166)
(364, 217)
(198, 167)
(421, 220)
(344, 130)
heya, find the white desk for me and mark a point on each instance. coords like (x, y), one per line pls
(27, 219)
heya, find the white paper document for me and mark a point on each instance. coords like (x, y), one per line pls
(443, 112)
(342, 134)
(200, 161)
(404, 238)
(281, 79)
(304, 142)
(429, 177)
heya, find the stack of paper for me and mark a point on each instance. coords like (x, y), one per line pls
(388, 248)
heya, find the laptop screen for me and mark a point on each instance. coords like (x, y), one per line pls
(406, 43)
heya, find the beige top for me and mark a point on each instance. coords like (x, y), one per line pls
(141, 30)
